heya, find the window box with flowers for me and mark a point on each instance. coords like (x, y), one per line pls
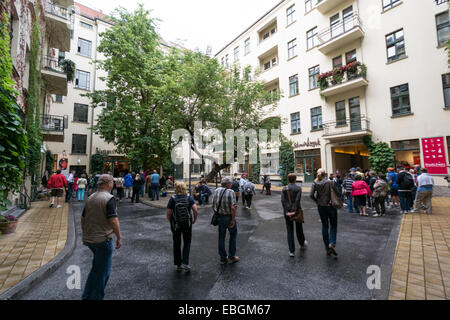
(342, 74)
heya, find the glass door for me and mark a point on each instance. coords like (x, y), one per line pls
(335, 30)
(355, 114)
(348, 18)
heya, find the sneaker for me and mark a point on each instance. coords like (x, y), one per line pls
(222, 262)
(235, 259)
(51, 205)
(305, 244)
(377, 215)
(186, 268)
(59, 206)
(333, 251)
(291, 255)
(179, 269)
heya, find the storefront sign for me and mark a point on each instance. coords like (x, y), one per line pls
(434, 159)
(308, 143)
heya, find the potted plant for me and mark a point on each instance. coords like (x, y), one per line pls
(338, 75)
(8, 224)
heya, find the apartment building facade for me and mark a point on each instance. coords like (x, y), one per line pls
(391, 79)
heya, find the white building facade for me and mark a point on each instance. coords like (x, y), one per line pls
(394, 82)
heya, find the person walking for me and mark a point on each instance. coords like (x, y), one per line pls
(82, 183)
(119, 186)
(128, 183)
(267, 184)
(372, 180)
(405, 185)
(321, 194)
(235, 187)
(262, 181)
(179, 214)
(360, 190)
(138, 181)
(242, 181)
(142, 190)
(290, 200)
(249, 191)
(69, 190)
(425, 184)
(347, 184)
(155, 185)
(380, 191)
(99, 222)
(57, 183)
(227, 220)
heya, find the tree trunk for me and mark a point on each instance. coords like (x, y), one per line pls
(216, 169)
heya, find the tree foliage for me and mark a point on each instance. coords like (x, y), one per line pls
(287, 160)
(98, 163)
(13, 140)
(381, 155)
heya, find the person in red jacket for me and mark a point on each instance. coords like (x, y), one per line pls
(360, 190)
(58, 184)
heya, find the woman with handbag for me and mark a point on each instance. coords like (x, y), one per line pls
(293, 213)
(325, 195)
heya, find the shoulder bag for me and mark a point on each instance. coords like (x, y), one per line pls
(335, 199)
(296, 216)
(215, 217)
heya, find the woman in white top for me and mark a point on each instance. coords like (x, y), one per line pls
(82, 183)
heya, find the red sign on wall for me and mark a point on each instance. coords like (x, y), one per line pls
(434, 159)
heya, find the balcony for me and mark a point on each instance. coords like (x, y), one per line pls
(59, 25)
(340, 34)
(64, 3)
(342, 80)
(325, 6)
(54, 77)
(350, 128)
(52, 128)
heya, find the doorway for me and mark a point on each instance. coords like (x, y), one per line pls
(308, 162)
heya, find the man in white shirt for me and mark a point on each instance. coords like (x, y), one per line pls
(425, 185)
(242, 183)
(70, 185)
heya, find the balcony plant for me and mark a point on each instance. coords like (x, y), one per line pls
(8, 224)
(68, 67)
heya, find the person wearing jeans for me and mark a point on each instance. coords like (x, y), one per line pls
(405, 185)
(98, 224)
(224, 202)
(321, 195)
(347, 185)
(69, 190)
(155, 185)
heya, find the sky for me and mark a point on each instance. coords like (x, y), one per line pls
(196, 23)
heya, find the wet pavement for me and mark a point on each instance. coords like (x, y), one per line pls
(143, 268)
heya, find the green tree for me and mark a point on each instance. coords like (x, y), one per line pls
(136, 68)
(98, 163)
(287, 160)
(381, 155)
(49, 162)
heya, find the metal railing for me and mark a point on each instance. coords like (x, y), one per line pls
(438, 2)
(57, 10)
(343, 26)
(53, 64)
(52, 123)
(344, 126)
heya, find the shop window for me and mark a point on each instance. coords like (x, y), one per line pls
(405, 145)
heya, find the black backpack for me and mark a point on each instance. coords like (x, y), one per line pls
(248, 190)
(181, 213)
(409, 180)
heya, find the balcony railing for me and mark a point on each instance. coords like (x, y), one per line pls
(57, 10)
(438, 2)
(359, 124)
(54, 124)
(52, 64)
(345, 25)
(351, 71)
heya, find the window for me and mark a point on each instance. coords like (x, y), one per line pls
(405, 145)
(347, 17)
(84, 47)
(293, 85)
(223, 62)
(387, 4)
(227, 61)
(443, 27)
(313, 75)
(295, 123)
(337, 62)
(58, 98)
(335, 30)
(311, 37)
(267, 65)
(82, 80)
(270, 63)
(266, 35)
(292, 45)
(80, 113)
(395, 44)
(316, 118)
(446, 86)
(79, 143)
(247, 46)
(308, 5)
(400, 100)
(61, 57)
(340, 113)
(350, 56)
(86, 25)
(290, 14)
(236, 54)
(274, 62)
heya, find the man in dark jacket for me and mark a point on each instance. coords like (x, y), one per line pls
(138, 182)
(405, 182)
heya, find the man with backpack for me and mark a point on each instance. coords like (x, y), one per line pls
(405, 182)
(179, 214)
(249, 191)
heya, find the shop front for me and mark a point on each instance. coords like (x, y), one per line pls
(350, 156)
(116, 165)
(307, 163)
(407, 153)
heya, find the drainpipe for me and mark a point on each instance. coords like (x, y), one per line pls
(93, 88)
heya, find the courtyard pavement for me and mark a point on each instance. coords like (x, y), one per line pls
(143, 267)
